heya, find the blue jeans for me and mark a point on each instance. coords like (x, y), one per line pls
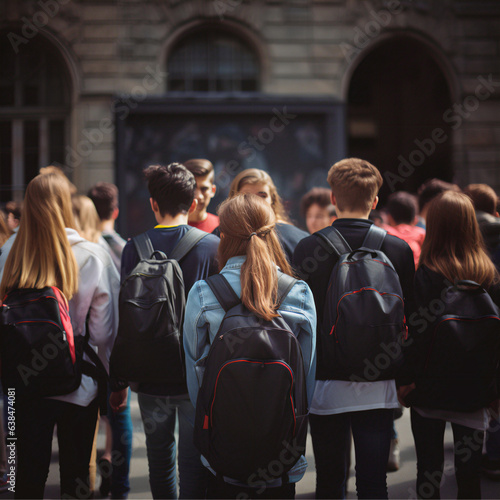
(158, 416)
(121, 430)
(429, 445)
(371, 432)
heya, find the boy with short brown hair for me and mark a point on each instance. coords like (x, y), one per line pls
(340, 405)
(203, 172)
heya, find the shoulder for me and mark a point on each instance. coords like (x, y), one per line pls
(299, 296)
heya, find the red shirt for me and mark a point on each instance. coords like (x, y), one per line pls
(413, 235)
(207, 225)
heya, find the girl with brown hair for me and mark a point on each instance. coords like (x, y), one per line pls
(249, 256)
(453, 256)
(49, 252)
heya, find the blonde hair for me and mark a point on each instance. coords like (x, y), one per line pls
(41, 254)
(86, 218)
(453, 244)
(256, 176)
(247, 225)
(355, 183)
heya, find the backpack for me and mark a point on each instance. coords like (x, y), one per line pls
(251, 410)
(364, 322)
(148, 345)
(460, 368)
(40, 355)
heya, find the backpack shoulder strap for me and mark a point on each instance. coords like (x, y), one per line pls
(374, 238)
(223, 291)
(336, 242)
(285, 284)
(186, 243)
(143, 246)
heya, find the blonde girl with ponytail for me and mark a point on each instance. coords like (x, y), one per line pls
(249, 257)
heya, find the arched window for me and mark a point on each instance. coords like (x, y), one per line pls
(34, 111)
(212, 61)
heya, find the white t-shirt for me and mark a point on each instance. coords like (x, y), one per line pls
(478, 419)
(339, 396)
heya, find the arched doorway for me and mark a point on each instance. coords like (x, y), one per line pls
(35, 105)
(396, 101)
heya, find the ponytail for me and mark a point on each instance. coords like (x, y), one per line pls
(247, 226)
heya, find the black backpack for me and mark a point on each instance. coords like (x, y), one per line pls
(460, 369)
(148, 345)
(251, 410)
(364, 322)
(40, 355)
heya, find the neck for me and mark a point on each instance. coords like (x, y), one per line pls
(352, 215)
(108, 225)
(198, 216)
(169, 220)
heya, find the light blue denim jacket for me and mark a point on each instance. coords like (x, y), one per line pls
(204, 315)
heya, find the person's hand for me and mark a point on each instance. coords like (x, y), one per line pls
(118, 400)
(403, 391)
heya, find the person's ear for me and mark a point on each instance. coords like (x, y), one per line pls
(375, 203)
(214, 189)
(154, 205)
(193, 206)
(332, 198)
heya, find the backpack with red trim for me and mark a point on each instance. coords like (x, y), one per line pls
(364, 326)
(40, 356)
(251, 411)
(460, 366)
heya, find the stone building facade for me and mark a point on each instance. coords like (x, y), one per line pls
(329, 48)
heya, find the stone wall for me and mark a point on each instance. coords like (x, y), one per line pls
(306, 47)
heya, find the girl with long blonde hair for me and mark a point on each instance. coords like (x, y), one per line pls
(453, 257)
(49, 252)
(249, 257)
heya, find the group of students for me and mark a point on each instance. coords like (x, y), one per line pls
(252, 243)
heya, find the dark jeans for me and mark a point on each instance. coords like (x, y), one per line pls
(121, 429)
(371, 432)
(217, 488)
(429, 438)
(35, 421)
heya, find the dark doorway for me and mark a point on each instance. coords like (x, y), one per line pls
(397, 97)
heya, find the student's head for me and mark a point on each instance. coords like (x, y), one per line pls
(41, 254)
(429, 190)
(483, 197)
(453, 244)
(171, 187)
(316, 208)
(105, 198)
(14, 210)
(256, 181)
(52, 169)
(355, 184)
(203, 172)
(86, 218)
(247, 226)
(402, 207)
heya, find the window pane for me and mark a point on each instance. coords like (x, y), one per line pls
(56, 142)
(31, 136)
(212, 61)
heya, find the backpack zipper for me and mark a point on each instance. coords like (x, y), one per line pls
(434, 333)
(334, 327)
(21, 304)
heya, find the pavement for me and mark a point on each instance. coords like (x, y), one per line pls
(401, 483)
